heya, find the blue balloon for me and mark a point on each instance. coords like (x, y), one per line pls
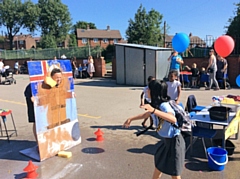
(180, 42)
(238, 80)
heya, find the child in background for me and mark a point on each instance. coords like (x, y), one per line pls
(174, 87)
(203, 72)
(195, 74)
(80, 69)
(146, 100)
(84, 70)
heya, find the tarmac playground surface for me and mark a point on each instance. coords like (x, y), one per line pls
(102, 104)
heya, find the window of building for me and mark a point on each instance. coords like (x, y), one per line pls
(115, 41)
(95, 40)
(84, 40)
(21, 42)
(105, 40)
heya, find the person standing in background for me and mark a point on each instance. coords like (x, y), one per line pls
(176, 62)
(84, 71)
(74, 67)
(80, 69)
(174, 87)
(1, 69)
(212, 69)
(195, 74)
(146, 100)
(30, 109)
(222, 70)
(91, 68)
(16, 67)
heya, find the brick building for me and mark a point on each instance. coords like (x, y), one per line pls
(24, 42)
(194, 41)
(95, 37)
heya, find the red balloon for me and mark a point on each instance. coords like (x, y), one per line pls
(224, 45)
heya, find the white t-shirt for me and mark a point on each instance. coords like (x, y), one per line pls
(173, 89)
(1, 66)
(63, 57)
(145, 91)
(16, 65)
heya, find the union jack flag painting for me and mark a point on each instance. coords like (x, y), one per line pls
(55, 108)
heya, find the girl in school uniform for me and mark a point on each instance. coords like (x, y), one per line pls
(169, 158)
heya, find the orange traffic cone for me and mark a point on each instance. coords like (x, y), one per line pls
(31, 170)
(99, 135)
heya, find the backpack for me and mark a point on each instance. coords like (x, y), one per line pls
(183, 119)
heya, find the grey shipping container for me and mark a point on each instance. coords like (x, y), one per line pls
(134, 63)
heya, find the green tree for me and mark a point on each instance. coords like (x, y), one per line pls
(54, 19)
(234, 23)
(145, 28)
(48, 41)
(82, 25)
(79, 25)
(97, 51)
(233, 29)
(72, 42)
(15, 15)
(2, 39)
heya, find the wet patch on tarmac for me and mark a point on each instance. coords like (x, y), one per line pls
(93, 150)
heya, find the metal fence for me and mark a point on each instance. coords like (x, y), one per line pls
(202, 50)
(79, 52)
(198, 48)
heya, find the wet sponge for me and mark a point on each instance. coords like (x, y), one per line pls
(65, 154)
(50, 81)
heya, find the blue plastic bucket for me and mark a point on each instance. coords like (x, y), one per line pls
(217, 158)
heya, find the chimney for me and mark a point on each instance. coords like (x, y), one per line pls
(88, 27)
(108, 28)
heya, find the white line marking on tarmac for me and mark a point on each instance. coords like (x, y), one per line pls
(69, 168)
(24, 104)
(86, 115)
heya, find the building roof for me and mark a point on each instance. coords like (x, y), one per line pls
(143, 46)
(193, 39)
(22, 37)
(97, 33)
(37, 38)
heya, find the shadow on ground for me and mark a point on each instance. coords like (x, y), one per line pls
(136, 128)
(10, 150)
(104, 82)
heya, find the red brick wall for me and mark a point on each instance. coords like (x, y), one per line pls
(93, 44)
(233, 66)
(12, 62)
(99, 64)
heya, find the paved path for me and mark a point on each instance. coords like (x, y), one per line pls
(105, 105)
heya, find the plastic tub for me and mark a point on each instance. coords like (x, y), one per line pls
(217, 158)
(219, 113)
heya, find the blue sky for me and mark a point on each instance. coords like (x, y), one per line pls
(200, 17)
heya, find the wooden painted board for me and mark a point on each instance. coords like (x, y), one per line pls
(54, 106)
